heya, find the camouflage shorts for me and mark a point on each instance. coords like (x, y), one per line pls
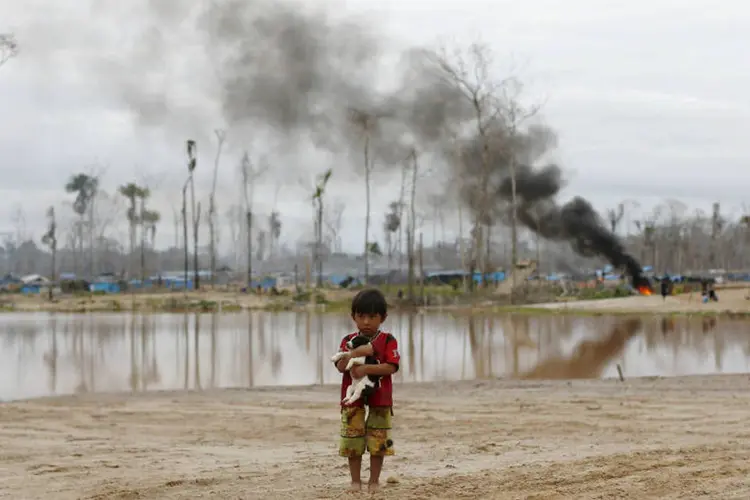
(358, 433)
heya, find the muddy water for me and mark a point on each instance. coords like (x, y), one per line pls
(43, 354)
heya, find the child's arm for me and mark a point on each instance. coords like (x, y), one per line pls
(379, 370)
(363, 350)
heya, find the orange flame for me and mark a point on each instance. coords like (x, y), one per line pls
(644, 290)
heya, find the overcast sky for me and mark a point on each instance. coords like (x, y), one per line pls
(650, 100)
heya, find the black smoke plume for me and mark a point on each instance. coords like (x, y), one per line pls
(537, 188)
(575, 221)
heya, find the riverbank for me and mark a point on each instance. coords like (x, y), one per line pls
(733, 302)
(642, 438)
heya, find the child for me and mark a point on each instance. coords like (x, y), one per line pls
(369, 310)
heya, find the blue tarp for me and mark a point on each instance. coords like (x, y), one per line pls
(265, 283)
(105, 287)
(31, 289)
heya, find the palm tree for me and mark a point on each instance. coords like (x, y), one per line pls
(274, 226)
(149, 220)
(131, 192)
(84, 186)
(143, 195)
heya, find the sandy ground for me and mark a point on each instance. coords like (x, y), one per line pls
(649, 438)
(156, 301)
(730, 300)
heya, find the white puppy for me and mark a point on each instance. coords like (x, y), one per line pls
(359, 386)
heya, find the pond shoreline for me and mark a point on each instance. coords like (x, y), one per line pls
(733, 303)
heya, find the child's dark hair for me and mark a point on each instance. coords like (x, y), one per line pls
(370, 301)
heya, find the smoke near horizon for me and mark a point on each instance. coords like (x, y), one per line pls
(575, 221)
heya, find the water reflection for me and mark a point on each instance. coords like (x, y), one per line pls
(62, 354)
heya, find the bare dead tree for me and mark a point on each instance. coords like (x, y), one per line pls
(514, 114)
(411, 231)
(469, 72)
(317, 199)
(333, 222)
(250, 174)
(391, 225)
(234, 216)
(185, 242)
(401, 205)
(367, 123)
(614, 216)
(220, 138)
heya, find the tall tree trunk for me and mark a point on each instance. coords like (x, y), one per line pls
(196, 225)
(249, 226)
(185, 236)
(91, 236)
(81, 257)
(538, 257)
(212, 208)
(401, 228)
(461, 247)
(319, 243)
(131, 224)
(513, 223)
(53, 268)
(421, 271)
(487, 255)
(143, 243)
(411, 232)
(212, 241)
(367, 204)
(389, 244)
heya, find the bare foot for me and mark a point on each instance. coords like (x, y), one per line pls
(373, 487)
(355, 487)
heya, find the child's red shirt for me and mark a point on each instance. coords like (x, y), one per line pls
(386, 351)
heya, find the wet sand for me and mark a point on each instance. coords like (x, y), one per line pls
(642, 438)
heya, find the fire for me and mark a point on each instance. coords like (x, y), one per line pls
(644, 290)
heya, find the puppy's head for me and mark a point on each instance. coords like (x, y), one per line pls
(357, 341)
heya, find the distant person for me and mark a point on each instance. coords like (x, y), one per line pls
(712, 294)
(665, 282)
